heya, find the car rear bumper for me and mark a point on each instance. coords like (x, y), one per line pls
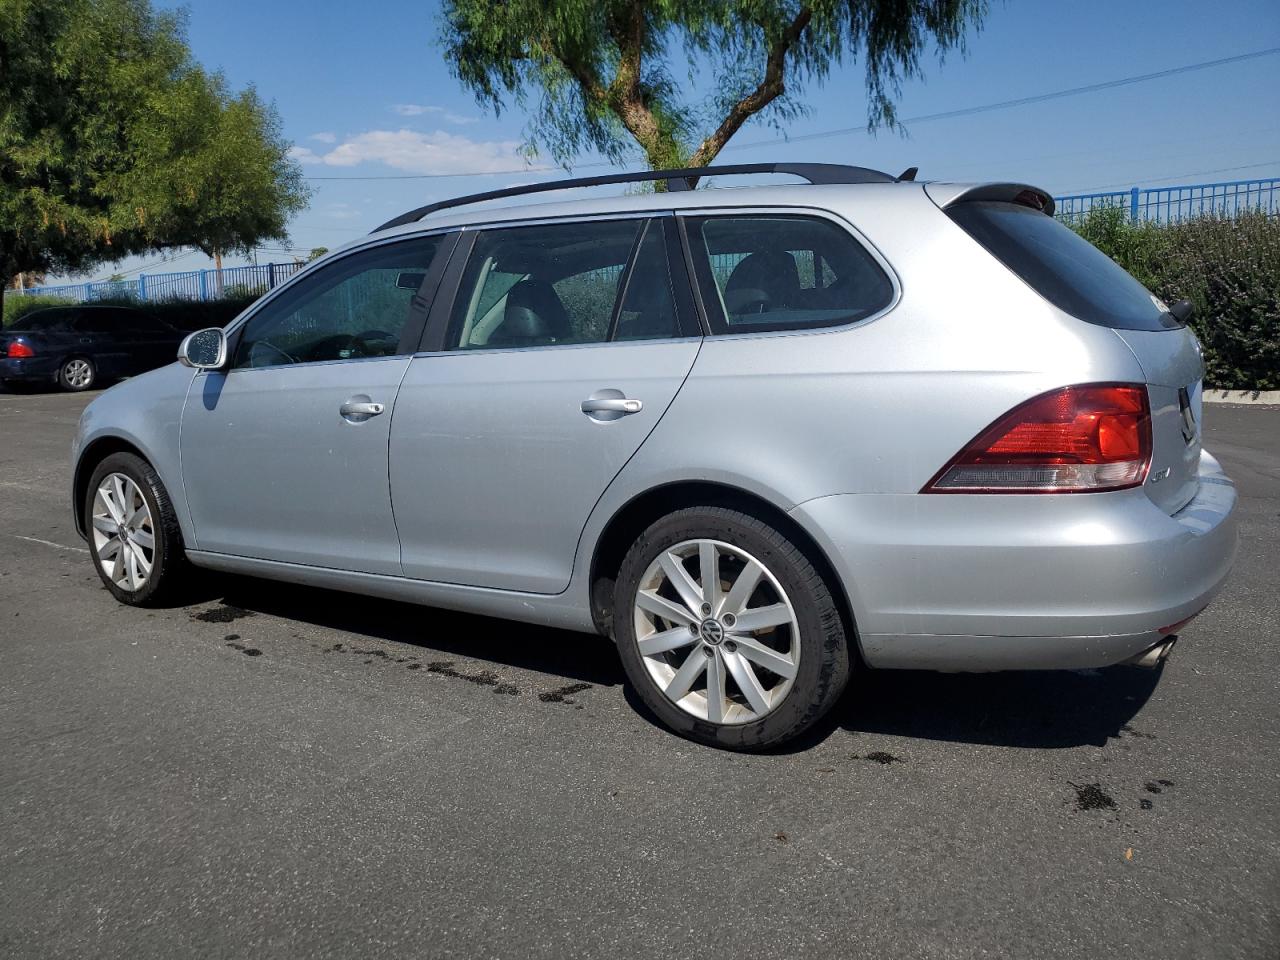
(28, 368)
(1004, 582)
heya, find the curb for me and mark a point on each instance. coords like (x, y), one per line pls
(1242, 396)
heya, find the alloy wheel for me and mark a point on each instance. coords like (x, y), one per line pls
(123, 532)
(716, 632)
(78, 373)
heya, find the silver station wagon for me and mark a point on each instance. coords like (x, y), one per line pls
(765, 438)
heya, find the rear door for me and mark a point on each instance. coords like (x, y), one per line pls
(99, 337)
(284, 454)
(564, 344)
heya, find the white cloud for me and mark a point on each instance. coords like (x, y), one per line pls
(437, 152)
(342, 211)
(324, 137)
(421, 109)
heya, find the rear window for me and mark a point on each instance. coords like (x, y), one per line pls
(43, 321)
(1063, 267)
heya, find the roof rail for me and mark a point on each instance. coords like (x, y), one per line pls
(681, 179)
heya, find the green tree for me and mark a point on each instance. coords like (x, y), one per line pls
(113, 141)
(605, 71)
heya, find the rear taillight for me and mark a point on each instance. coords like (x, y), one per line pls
(17, 349)
(1074, 440)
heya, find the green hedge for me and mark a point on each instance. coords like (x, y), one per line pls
(183, 314)
(1228, 267)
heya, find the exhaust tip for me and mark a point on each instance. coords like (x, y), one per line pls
(1154, 656)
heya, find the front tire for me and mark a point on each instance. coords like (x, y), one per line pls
(77, 374)
(134, 537)
(746, 659)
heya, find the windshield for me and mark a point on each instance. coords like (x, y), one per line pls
(1062, 266)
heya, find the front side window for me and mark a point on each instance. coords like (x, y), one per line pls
(760, 273)
(353, 308)
(564, 283)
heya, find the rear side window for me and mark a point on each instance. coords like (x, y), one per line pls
(1063, 267)
(761, 273)
(564, 283)
(96, 321)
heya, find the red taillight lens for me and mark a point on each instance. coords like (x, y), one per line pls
(20, 350)
(1073, 440)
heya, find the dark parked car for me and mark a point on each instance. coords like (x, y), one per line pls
(76, 347)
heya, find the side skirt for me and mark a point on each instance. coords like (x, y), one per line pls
(556, 611)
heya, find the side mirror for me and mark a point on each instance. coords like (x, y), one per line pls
(1182, 311)
(204, 349)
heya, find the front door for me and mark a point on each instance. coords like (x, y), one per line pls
(284, 454)
(564, 347)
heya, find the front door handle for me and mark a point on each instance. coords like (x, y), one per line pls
(360, 409)
(622, 405)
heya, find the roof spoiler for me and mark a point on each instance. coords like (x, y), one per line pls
(949, 194)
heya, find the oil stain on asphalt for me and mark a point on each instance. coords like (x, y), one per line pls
(880, 757)
(561, 694)
(223, 613)
(232, 641)
(1091, 796)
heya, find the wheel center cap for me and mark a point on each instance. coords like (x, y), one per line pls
(712, 631)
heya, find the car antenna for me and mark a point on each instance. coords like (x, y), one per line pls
(907, 175)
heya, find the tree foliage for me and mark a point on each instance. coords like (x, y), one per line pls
(1229, 267)
(113, 141)
(606, 74)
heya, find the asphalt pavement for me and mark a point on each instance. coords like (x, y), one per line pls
(279, 771)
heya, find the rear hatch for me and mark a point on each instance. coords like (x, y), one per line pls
(1174, 368)
(1017, 227)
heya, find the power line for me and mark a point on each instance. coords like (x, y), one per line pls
(844, 131)
(1181, 176)
(1038, 98)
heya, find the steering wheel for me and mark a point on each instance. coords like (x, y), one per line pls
(374, 343)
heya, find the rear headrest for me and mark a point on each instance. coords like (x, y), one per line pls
(773, 271)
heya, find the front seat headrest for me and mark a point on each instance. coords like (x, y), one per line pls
(533, 313)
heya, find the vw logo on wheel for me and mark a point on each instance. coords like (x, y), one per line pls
(712, 631)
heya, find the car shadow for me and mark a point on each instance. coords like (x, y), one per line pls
(582, 657)
(1038, 710)
(1041, 709)
(1028, 710)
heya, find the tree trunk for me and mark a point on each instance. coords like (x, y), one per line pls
(217, 264)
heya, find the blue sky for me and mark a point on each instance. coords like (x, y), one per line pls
(364, 91)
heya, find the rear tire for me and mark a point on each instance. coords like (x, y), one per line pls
(747, 664)
(77, 374)
(147, 565)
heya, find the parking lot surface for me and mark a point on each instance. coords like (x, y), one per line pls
(284, 772)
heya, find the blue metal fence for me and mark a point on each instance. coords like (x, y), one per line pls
(189, 285)
(1156, 204)
(1171, 204)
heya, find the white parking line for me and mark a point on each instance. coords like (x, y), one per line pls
(49, 543)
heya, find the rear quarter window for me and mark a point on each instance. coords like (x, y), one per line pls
(1062, 266)
(763, 272)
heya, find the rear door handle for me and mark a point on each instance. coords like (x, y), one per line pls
(361, 409)
(622, 405)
